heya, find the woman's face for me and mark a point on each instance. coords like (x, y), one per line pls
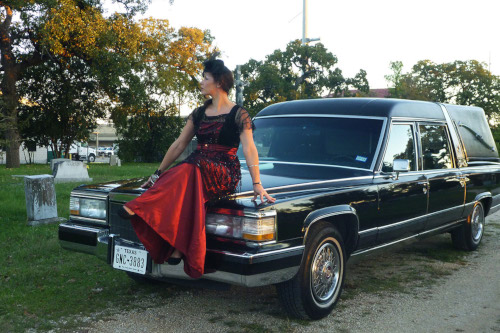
(208, 85)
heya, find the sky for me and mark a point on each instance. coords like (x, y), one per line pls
(363, 34)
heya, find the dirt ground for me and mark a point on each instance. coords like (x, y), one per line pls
(423, 287)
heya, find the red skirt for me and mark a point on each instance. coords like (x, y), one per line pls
(171, 214)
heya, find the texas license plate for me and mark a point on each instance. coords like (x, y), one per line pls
(130, 259)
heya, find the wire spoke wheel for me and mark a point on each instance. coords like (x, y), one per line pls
(325, 272)
(477, 223)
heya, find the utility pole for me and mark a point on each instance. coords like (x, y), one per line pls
(306, 40)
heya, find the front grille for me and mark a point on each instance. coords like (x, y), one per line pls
(120, 226)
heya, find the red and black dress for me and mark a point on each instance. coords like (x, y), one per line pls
(171, 213)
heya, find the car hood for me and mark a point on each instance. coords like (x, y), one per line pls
(277, 178)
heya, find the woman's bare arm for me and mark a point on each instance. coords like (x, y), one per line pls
(252, 158)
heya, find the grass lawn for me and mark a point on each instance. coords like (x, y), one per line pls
(43, 286)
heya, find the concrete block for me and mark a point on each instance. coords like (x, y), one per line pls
(71, 171)
(41, 203)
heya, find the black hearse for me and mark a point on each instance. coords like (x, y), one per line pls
(349, 175)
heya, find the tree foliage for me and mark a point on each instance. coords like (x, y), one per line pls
(298, 72)
(36, 31)
(458, 82)
(147, 136)
(62, 104)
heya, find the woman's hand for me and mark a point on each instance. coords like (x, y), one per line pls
(258, 190)
(148, 183)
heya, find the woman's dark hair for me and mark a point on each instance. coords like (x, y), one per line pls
(222, 75)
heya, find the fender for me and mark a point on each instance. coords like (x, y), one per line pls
(482, 196)
(487, 197)
(323, 213)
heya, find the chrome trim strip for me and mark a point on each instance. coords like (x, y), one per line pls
(356, 253)
(316, 115)
(419, 217)
(440, 228)
(257, 280)
(407, 119)
(481, 162)
(305, 184)
(313, 164)
(379, 144)
(84, 228)
(257, 214)
(367, 231)
(251, 256)
(87, 219)
(84, 194)
(401, 222)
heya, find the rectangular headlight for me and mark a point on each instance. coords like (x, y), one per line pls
(257, 229)
(86, 207)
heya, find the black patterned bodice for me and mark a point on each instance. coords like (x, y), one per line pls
(218, 140)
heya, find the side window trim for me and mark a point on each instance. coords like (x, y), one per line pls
(413, 126)
(448, 139)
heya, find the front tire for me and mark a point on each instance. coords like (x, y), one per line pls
(469, 235)
(317, 287)
(91, 158)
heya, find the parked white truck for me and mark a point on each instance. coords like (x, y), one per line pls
(79, 152)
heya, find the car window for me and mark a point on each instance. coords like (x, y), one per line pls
(435, 147)
(337, 141)
(401, 145)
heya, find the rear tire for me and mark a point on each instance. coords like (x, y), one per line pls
(469, 235)
(314, 291)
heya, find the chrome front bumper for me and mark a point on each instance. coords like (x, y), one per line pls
(244, 269)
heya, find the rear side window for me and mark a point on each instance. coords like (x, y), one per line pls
(435, 147)
(401, 145)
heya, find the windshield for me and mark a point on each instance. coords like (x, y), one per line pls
(340, 141)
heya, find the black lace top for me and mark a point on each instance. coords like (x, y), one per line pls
(218, 140)
(233, 123)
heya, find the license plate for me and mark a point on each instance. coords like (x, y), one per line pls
(130, 259)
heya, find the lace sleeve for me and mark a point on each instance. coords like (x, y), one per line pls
(243, 120)
(194, 116)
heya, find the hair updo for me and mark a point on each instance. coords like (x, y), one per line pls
(222, 75)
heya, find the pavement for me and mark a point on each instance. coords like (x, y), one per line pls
(464, 299)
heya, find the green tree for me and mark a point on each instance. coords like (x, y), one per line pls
(34, 31)
(299, 72)
(458, 82)
(147, 136)
(151, 96)
(63, 102)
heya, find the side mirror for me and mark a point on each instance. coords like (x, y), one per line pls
(400, 166)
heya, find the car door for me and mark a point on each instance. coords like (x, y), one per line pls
(402, 200)
(446, 184)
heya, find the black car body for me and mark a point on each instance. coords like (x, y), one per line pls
(350, 175)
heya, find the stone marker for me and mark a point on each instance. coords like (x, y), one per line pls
(41, 203)
(70, 171)
(113, 160)
(54, 161)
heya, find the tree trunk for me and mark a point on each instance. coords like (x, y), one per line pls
(9, 90)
